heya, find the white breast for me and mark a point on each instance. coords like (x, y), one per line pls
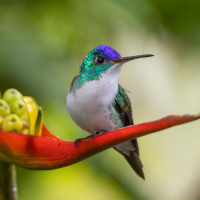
(88, 105)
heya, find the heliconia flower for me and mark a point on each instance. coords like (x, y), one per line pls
(20, 113)
(49, 152)
(35, 116)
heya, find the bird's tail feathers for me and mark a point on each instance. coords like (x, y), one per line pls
(135, 163)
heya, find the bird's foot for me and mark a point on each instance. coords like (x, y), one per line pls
(96, 133)
(79, 139)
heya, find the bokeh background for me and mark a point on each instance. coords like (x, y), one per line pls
(42, 45)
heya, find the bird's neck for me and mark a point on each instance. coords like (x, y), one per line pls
(110, 76)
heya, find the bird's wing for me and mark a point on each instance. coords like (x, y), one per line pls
(123, 107)
(72, 83)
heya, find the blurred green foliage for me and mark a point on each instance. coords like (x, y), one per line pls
(42, 44)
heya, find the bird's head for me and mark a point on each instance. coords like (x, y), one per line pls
(102, 58)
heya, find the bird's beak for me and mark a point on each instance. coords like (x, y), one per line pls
(126, 59)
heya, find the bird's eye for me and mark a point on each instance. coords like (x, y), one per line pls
(100, 60)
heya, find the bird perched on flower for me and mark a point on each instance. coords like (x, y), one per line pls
(98, 104)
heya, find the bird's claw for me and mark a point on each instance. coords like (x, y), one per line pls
(96, 133)
(79, 139)
(76, 142)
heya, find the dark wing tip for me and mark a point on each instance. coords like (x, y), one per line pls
(135, 163)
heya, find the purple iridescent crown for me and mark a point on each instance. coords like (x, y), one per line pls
(109, 52)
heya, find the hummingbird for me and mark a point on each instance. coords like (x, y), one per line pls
(98, 104)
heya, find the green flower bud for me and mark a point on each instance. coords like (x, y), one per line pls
(25, 124)
(25, 117)
(4, 108)
(11, 95)
(12, 123)
(1, 122)
(18, 107)
(25, 131)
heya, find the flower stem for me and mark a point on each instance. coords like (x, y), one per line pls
(8, 181)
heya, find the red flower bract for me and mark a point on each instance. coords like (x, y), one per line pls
(50, 152)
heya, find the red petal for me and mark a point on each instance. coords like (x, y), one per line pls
(50, 152)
